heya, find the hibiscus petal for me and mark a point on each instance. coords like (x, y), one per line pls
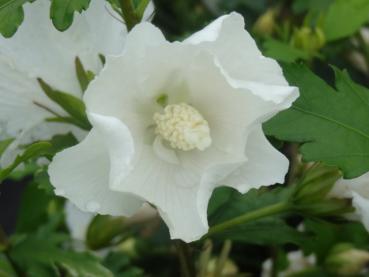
(77, 221)
(81, 174)
(237, 51)
(173, 190)
(118, 141)
(264, 166)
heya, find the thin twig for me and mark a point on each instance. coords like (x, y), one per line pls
(187, 266)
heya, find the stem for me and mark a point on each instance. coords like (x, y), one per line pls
(187, 267)
(223, 258)
(251, 216)
(47, 109)
(205, 258)
(129, 14)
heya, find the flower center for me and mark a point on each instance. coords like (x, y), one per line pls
(183, 127)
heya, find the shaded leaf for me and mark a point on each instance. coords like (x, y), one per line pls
(35, 251)
(227, 203)
(6, 269)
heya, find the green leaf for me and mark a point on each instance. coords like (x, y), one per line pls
(34, 150)
(11, 16)
(141, 7)
(35, 251)
(283, 52)
(325, 235)
(333, 125)
(84, 77)
(227, 203)
(6, 269)
(120, 264)
(31, 216)
(300, 6)
(61, 142)
(71, 104)
(336, 27)
(4, 144)
(62, 12)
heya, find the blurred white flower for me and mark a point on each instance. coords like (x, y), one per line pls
(358, 190)
(38, 50)
(297, 262)
(172, 121)
(357, 58)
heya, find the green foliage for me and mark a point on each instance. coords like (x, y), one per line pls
(32, 215)
(344, 18)
(84, 76)
(333, 125)
(120, 264)
(300, 6)
(70, 104)
(227, 203)
(61, 142)
(326, 235)
(62, 12)
(31, 151)
(6, 269)
(4, 144)
(11, 16)
(282, 51)
(44, 254)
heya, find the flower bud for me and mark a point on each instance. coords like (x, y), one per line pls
(345, 260)
(103, 229)
(265, 24)
(229, 268)
(311, 194)
(308, 39)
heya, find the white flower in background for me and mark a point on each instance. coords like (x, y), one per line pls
(38, 50)
(171, 121)
(358, 190)
(357, 58)
(297, 263)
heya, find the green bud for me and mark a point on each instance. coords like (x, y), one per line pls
(129, 247)
(265, 24)
(229, 268)
(316, 184)
(103, 229)
(308, 39)
(311, 194)
(345, 260)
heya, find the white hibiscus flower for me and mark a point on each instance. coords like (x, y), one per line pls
(171, 121)
(38, 50)
(358, 190)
